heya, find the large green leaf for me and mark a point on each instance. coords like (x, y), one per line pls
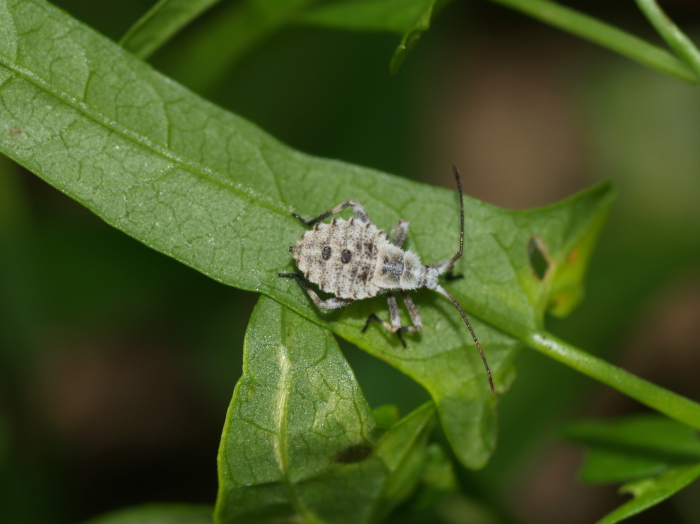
(300, 438)
(216, 193)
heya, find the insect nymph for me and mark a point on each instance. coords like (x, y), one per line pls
(353, 260)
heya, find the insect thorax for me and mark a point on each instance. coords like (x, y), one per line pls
(399, 269)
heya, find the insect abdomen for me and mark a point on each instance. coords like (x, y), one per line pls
(340, 257)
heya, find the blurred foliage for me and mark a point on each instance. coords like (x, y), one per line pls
(58, 263)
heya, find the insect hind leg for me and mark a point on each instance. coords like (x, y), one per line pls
(413, 312)
(357, 208)
(395, 326)
(331, 303)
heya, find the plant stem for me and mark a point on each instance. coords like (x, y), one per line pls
(603, 34)
(656, 397)
(670, 32)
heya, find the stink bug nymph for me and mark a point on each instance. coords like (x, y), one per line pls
(353, 260)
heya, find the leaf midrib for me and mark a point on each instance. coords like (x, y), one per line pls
(281, 437)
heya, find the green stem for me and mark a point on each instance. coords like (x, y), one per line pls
(603, 34)
(161, 23)
(670, 32)
(658, 398)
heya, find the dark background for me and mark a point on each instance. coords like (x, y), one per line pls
(117, 364)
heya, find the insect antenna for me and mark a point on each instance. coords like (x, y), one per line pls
(447, 265)
(461, 219)
(444, 293)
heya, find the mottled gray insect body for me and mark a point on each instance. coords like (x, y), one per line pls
(353, 260)
(341, 257)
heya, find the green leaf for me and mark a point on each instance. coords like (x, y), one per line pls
(216, 193)
(649, 492)
(386, 415)
(403, 450)
(161, 22)
(437, 481)
(409, 18)
(157, 514)
(660, 454)
(633, 447)
(299, 437)
(614, 467)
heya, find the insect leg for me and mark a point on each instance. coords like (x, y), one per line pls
(357, 208)
(331, 303)
(395, 326)
(401, 230)
(415, 315)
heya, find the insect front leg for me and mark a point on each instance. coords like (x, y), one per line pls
(331, 303)
(357, 208)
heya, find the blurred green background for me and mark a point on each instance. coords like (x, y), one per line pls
(117, 364)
